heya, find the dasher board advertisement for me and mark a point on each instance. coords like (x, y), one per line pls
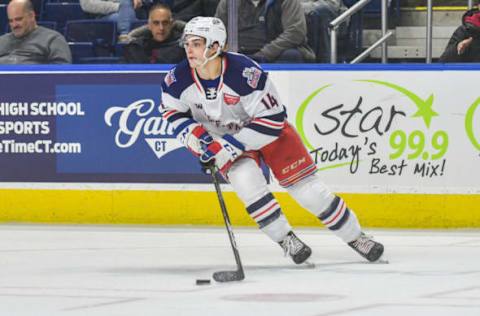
(369, 130)
(389, 131)
(89, 127)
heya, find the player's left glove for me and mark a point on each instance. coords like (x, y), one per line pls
(224, 151)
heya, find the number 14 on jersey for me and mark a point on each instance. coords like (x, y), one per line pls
(269, 101)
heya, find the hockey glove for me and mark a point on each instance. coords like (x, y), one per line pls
(224, 151)
(195, 138)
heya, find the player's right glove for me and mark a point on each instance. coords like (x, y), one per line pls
(194, 137)
(224, 151)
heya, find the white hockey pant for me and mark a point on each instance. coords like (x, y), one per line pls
(251, 187)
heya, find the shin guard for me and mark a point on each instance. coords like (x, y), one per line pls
(341, 220)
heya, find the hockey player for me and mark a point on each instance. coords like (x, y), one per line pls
(224, 108)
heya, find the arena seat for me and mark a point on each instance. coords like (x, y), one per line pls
(48, 24)
(62, 12)
(3, 18)
(81, 50)
(100, 34)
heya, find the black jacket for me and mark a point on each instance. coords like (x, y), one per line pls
(143, 49)
(466, 30)
(185, 10)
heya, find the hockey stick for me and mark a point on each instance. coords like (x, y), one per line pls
(227, 276)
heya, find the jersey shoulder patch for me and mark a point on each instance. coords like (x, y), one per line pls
(243, 75)
(177, 79)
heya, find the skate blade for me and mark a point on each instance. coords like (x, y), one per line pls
(381, 261)
(308, 265)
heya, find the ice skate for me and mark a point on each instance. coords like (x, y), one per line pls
(367, 247)
(295, 248)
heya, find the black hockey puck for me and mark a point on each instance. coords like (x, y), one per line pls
(203, 281)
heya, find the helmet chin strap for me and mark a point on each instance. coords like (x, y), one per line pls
(207, 59)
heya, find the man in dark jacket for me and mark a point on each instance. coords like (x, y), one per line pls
(158, 42)
(464, 45)
(270, 30)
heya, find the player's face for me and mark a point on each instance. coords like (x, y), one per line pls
(194, 48)
(21, 21)
(160, 24)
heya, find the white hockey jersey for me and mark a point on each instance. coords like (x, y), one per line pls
(245, 104)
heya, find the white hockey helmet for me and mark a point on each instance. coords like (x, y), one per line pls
(210, 28)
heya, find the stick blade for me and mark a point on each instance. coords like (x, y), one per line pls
(228, 276)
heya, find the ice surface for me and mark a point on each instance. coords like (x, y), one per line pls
(136, 270)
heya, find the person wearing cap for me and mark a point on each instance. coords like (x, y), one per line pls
(226, 110)
(464, 45)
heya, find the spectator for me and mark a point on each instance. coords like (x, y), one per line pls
(319, 14)
(464, 45)
(158, 42)
(29, 43)
(123, 12)
(271, 31)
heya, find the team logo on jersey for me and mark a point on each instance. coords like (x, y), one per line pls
(170, 77)
(231, 99)
(211, 93)
(253, 76)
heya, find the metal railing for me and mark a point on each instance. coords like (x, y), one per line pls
(232, 26)
(428, 48)
(334, 25)
(352, 10)
(367, 52)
